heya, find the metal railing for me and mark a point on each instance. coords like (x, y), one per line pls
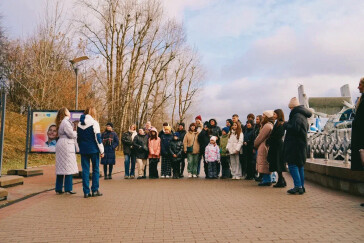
(334, 145)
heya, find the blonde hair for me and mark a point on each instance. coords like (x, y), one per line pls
(60, 116)
(91, 110)
(362, 80)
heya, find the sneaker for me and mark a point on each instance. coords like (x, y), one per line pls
(189, 175)
(167, 176)
(237, 178)
(163, 176)
(132, 177)
(295, 190)
(194, 176)
(126, 177)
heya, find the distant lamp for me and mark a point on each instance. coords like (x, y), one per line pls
(75, 68)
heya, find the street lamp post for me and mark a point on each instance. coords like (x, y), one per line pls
(3, 110)
(75, 68)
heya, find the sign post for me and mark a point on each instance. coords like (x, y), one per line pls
(2, 131)
(27, 138)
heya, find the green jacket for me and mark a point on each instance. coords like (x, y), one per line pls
(223, 143)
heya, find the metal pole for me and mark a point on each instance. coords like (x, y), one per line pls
(3, 109)
(27, 138)
(76, 105)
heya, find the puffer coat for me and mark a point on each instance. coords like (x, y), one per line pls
(110, 141)
(140, 145)
(66, 163)
(260, 144)
(235, 144)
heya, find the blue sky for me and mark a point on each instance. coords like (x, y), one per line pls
(255, 52)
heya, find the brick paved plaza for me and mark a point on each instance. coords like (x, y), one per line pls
(185, 210)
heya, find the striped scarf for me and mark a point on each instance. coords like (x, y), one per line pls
(107, 138)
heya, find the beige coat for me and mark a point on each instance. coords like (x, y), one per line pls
(260, 143)
(188, 141)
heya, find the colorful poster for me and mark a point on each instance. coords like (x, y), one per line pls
(44, 133)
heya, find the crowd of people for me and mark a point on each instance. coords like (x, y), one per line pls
(261, 149)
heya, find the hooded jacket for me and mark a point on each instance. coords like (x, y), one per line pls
(89, 136)
(165, 141)
(215, 130)
(295, 142)
(154, 146)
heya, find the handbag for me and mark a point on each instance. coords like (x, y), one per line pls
(361, 152)
(190, 148)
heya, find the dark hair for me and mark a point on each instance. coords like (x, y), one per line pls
(280, 115)
(235, 115)
(251, 115)
(165, 124)
(192, 124)
(153, 136)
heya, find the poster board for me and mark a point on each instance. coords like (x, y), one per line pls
(43, 130)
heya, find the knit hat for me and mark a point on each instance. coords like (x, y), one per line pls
(109, 124)
(294, 103)
(176, 134)
(226, 129)
(213, 138)
(198, 118)
(167, 128)
(206, 124)
(268, 114)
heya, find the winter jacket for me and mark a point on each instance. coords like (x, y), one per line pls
(223, 143)
(154, 146)
(176, 147)
(275, 153)
(212, 153)
(140, 144)
(234, 144)
(260, 144)
(127, 139)
(249, 140)
(66, 163)
(88, 136)
(357, 136)
(204, 140)
(295, 142)
(215, 130)
(190, 139)
(110, 141)
(165, 141)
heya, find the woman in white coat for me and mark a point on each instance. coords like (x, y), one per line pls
(66, 163)
(235, 142)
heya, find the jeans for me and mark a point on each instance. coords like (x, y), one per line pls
(129, 158)
(267, 178)
(68, 184)
(85, 162)
(198, 163)
(192, 163)
(298, 175)
(212, 169)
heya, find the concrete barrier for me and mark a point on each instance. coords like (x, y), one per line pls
(335, 175)
(11, 180)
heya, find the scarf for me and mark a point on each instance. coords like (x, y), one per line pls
(107, 138)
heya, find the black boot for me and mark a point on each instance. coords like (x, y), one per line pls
(281, 183)
(97, 194)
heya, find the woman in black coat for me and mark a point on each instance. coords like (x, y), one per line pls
(111, 142)
(295, 144)
(357, 132)
(275, 144)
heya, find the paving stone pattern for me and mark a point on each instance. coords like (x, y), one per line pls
(185, 210)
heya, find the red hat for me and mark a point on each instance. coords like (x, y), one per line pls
(198, 118)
